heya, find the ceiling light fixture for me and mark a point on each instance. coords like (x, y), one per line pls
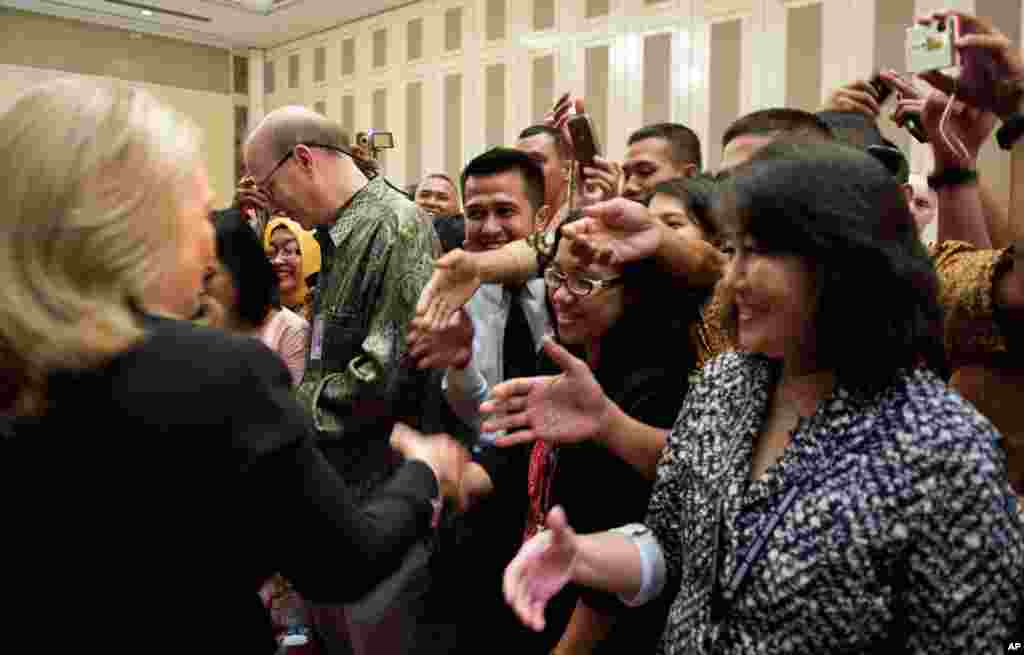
(154, 10)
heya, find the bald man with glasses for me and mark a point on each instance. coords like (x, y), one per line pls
(377, 255)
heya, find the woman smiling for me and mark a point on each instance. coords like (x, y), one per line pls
(617, 320)
(822, 488)
(295, 256)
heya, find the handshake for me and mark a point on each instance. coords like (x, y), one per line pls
(460, 480)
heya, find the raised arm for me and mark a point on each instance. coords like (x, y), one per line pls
(331, 548)
(621, 231)
(458, 275)
(955, 141)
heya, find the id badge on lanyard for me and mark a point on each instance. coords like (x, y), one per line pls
(316, 341)
(722, 595)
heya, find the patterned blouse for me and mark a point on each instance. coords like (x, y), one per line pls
(967, 276)
(902, 534)
(358, 379)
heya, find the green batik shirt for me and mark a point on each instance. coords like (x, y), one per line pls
(359, 380)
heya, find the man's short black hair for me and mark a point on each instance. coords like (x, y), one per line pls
(500, 160)
(242, 255)
(684, 144)
(778, 121)
(556, 137)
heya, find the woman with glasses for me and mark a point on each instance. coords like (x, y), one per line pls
(618, 322)
(295, 256)
(817, 492)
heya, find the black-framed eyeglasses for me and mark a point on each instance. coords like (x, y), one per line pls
(291, 250)
(580, 287)
(281, 162)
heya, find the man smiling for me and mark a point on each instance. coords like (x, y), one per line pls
(503, 191)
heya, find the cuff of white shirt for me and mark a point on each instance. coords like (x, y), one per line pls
(652, 564)
(468, 382)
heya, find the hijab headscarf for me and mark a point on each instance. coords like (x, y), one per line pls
(309, 255)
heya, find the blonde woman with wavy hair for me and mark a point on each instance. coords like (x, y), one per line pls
(91, 178)
(141, 456)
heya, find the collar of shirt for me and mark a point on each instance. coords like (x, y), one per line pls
(815, 440)
(489, 308)
(348, 214)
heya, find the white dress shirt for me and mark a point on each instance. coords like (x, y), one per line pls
(467, 388)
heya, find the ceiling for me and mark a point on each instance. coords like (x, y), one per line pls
(221, 23)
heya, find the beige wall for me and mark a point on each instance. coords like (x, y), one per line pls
(77, 47)
(725, 70)
(490, 68)
(891, 52)
(803, 58)
(190, 78)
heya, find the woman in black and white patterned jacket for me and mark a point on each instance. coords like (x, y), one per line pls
(822, 489)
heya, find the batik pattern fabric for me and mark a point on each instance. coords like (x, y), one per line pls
(967, 275)
(708, 335)
(903, 535)
(359, 379)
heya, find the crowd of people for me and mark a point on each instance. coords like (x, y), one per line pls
(550, 406)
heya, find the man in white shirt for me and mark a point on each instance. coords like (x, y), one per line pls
(504, 202)
(503, 191)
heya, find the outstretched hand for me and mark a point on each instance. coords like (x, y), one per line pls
(456, 278)
(562, 409)
(451, 346)
(542, 568)
(616, 232)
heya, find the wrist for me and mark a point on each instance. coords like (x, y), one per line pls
(942, 164)
(610, 418)
(952, 177)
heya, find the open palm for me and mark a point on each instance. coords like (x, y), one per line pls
(562, 409)
(456, 278)
(542, 568)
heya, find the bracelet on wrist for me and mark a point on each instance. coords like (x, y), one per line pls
(951, 177)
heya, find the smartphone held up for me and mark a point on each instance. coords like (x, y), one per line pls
(932, 46)
(584, 139)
